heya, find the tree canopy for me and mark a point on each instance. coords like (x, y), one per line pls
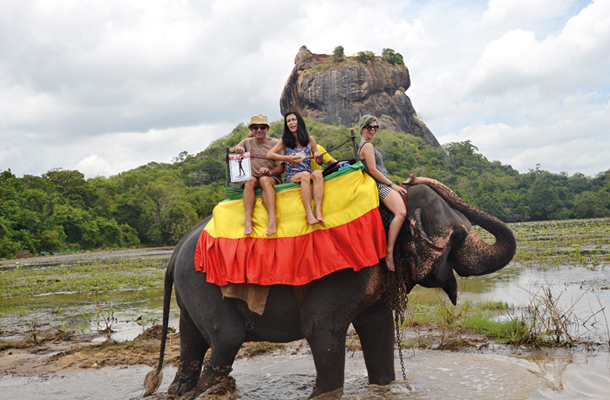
(157, 203)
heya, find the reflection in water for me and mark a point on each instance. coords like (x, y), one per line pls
(558, 374)
(566, 376)
(131, 313)
(583, 292)
(550, 370)
(431, 375)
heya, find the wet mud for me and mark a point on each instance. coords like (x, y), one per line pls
(286, 374)
(64, 369)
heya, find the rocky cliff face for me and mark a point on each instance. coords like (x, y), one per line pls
(341, 92)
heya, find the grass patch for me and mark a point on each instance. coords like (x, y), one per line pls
(513, 331)
(545, 321)
(36, 338)
(253, 349)
(582, 242)
(86, 276)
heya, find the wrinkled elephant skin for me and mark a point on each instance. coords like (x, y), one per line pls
(437, 240)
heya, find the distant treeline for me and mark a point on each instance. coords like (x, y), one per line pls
(155, 204)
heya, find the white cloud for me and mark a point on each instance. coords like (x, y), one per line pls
(501, 14)
(105, 87)
(93, 166)
(555, 64)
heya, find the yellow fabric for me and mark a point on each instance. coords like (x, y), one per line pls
(346, 198)
(326, 156)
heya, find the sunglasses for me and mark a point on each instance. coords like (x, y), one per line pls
(259, 127)
(371, 127)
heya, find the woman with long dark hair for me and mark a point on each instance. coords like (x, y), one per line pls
(296, 145)
(389, 193)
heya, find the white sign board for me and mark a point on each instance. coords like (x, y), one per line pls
(239, 166)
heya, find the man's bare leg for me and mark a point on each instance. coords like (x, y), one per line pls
(249, 200)
(267, 184)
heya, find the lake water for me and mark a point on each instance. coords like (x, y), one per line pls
(583, 292)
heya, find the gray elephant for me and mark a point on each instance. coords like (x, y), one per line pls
(436, 239)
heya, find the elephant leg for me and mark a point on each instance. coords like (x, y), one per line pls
(226, 336)
(375, 328)
(328, 350)
(218, 321)
(192, 351)
(326, 338)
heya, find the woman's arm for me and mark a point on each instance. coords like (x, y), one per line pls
(274, 154)
(368, 154)
(314, 149)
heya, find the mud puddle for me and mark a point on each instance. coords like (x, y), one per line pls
(499, 372)
(432, 375)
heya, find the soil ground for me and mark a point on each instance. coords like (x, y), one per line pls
(75, 362)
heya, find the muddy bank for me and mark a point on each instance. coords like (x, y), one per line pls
(469, 368)
(67, 370)
(78, 367)
(67, 258)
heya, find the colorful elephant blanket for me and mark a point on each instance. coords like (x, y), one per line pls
(353, 235)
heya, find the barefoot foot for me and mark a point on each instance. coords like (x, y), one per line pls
(311, 220)
(248, 230)
(271, 227)
(389, 262)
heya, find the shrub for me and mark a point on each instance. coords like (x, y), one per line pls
(364, 56)
(338, 54)
(392, 57)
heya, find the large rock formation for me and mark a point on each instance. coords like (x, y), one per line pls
(340, 92)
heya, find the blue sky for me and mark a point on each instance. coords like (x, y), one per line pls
(104, 87)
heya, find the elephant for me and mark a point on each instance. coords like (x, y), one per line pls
(436, 239)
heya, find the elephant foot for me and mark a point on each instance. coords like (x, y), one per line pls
(332, 395)
(182, 384)
(221, 391)
(213, 378)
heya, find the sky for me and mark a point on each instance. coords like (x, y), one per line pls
(106, 86)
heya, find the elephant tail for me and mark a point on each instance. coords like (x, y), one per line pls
(153, 379)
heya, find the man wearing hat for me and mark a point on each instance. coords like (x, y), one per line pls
(265, 173)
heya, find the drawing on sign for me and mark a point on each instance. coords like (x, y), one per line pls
(239, 165)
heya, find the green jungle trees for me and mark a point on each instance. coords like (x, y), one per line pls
(157, 203)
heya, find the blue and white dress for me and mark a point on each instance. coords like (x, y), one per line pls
(305, 165)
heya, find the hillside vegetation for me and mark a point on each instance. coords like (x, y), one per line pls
(155, 204)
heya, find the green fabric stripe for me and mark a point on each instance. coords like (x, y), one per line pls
(238, 193)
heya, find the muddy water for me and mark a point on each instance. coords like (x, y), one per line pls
(487, 373)
(432, 375)
(583, 293)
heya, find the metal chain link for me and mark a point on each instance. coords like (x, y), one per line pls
(399, 344)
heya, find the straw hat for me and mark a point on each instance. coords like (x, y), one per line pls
(258, 119)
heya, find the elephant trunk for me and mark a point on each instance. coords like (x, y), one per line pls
(475, 256)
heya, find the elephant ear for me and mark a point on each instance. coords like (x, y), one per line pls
(428, 257)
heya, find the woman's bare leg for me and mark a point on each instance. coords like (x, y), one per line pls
(303, 178)
(396, 205)
(318, 193)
